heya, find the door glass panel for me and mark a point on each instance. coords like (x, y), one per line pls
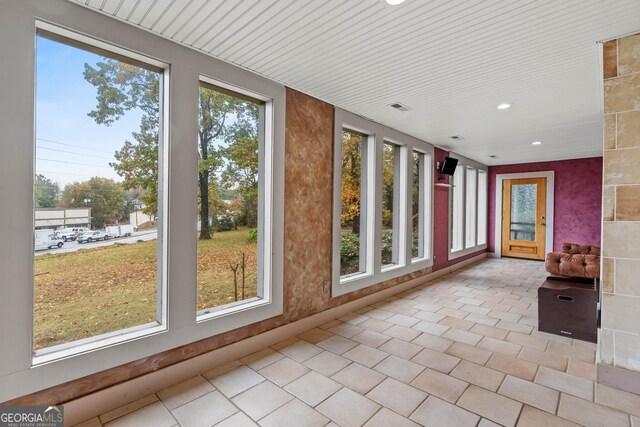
(523, 212)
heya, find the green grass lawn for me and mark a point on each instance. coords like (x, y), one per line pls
(94, 291)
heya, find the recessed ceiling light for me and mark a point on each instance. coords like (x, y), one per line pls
(536, 143)
(395, 2)
(504, 106)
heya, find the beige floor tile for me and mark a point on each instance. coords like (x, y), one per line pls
(397, 396)
(236, 381)
(482, 319)
(580, 353)
(590, 414)
(365, 355)
(431, 328)
(469, 352)
(346, 330)
(457, 323)
(432, 342)
(502, 315)
(462, 336)
(402, 332)
(261, 400)
(348, 408)
(512, 366)
(490, 405)
(527, 340)
(552, 337)
(435, 360)
(402, 320)
(292, 340)
(313, 388)
(487, 423)
(359, 378)
(370, 338)
(264, 357)
(184, 392)
(539, 357)
(155, 414)
(337, 344)
(429, 316)
(239, 419)
(565, 383)
(436, 412)
(489, 331)
(617, 399)
(478, 375)
(377, 313)
(128, 408)
(442, 385)
(205, 411)
(499, 346)
(327, 363)
(635, 421)
(475, 309)
(530, 393)
(387, 418)
(375, 325)
(514, 326)
(446, 311)
(532, 417)
(284, 371)
(398, 368)
(400, 348)
(582, 369)
(301, 351)
(222, 369)
(294, 413)
(353, 318)
(315, 335)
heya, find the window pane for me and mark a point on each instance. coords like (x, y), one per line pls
(482, 207)
(352, 204)
(230, 130)
(471, 210)
(97, 207)
(417, 243)
(390, 202)
(523, 212)
(457, 216)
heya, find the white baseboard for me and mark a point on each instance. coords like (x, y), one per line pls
(102, 401)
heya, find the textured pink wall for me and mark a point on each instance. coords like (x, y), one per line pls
(578, 199)
(441, 221)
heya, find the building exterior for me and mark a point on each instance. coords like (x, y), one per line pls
(59, 218)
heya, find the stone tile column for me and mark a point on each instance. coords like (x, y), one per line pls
(619, 346)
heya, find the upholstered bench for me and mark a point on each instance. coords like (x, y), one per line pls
(575, 261)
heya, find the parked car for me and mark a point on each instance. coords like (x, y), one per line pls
(46, 239)
(70, 233)
(93, 236)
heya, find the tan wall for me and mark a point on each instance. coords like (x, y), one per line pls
(620, 337)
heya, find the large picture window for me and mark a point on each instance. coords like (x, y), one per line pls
(98, 246)
(230, 145)
(382, 204)
(468, 208)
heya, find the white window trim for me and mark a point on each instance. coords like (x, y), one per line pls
(550, 176)
(19, 371)
(378, 134)
(463, 163)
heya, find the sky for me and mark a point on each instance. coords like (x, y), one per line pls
(70, 146)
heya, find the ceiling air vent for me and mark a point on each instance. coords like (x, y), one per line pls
(494, 156)
(399, 106)
(457, 138)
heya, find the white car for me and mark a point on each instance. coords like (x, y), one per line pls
(92, 236)
(71, 233)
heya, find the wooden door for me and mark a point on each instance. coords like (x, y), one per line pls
(524, 207)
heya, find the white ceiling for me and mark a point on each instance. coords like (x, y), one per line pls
(451, 61)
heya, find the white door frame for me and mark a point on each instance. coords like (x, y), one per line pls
(548, 240)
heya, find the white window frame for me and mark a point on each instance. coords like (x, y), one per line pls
(377, 136)
(399, 182)
(26, 374)
(463, 164)
(483, 203)
(425, 205)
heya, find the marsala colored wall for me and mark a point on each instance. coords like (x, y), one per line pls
(441, 220)
(577, 195)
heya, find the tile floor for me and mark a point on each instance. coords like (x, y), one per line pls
(461, 351)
